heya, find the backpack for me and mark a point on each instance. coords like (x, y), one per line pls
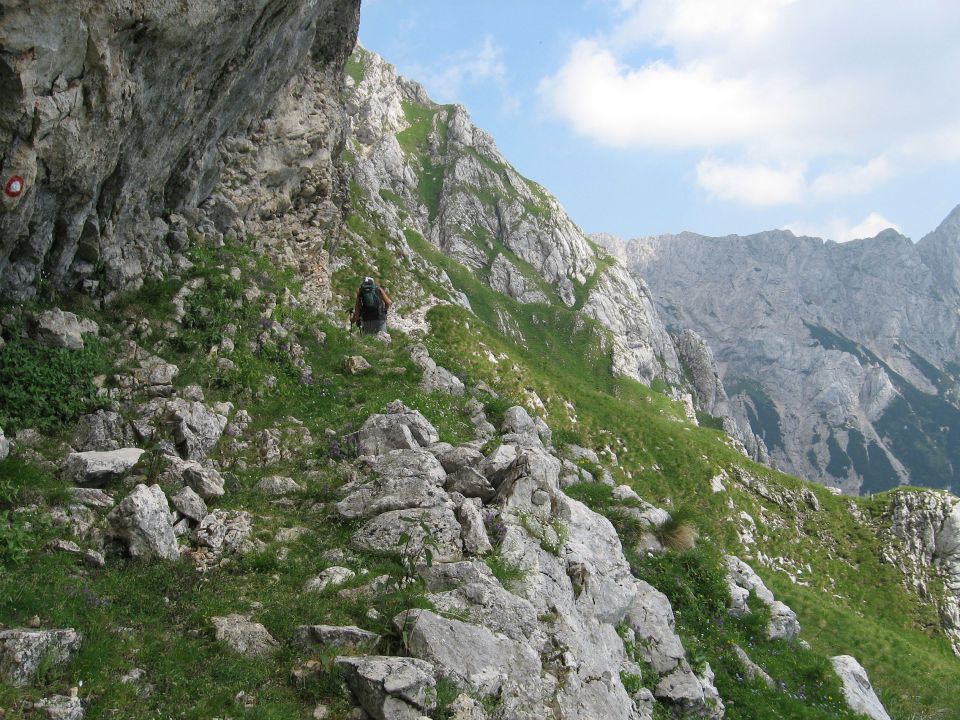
(371, 304)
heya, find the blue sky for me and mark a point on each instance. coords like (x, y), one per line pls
(829, 118)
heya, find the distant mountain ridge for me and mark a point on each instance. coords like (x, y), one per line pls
(844, 358)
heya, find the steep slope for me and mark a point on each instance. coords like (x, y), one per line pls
(426, 172)
(844, 357)
(473, 518)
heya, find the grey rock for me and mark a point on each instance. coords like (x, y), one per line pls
(466, 708)
(332, 577)
(494, 467)
(751, 670)
(99, 155)
(94, 559)
(66, 546)
(399, 414)
(741, 578)
(435, 378)
(407, 479)
(190, 505)
(4, 445)
(474, 658)
(58, 329)
(470, 483)
(240, 634)
(205, 481)
(102, 430)
(459, 457)
(277, 485)
(382, 533)
(346, 637)
(920, 537)
(60, 707)
(98, 468)
(380, 440)
(92, 497)
(22, 652)
(196, 428)
(224, 531)
(356, 364)
(857, 690)
(517, 420)
(391, 688)
(650, 616)
(142, 521)
(473, 531)
(581, 453)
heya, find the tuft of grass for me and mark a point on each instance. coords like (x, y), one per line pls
(679, 532)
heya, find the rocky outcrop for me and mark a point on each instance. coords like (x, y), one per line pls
(144, 524)
(843, 358)
(921, 536)
(22, 652)
(549, 645)
(119, 119)
(857, 690)
(479, 210)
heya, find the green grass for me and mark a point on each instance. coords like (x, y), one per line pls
(45, 388)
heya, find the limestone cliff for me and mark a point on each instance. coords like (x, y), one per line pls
(842, 357)
(111, 113)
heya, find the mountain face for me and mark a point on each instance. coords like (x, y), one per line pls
(427, 172)
(112, 113)
(842, 357)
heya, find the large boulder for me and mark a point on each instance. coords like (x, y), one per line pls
(857, 690)
(436, 528)
(100, 467)
(102, 430)
(495, 465)
(248, 638)
(382, 432)
(142, 521)
(650, 617)
(58, 329)
(391, 688)
(22, 652)
(475, 658)
(196, 428)
(4, 446)
(407, 479)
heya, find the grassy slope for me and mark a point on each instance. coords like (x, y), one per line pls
(852, 602)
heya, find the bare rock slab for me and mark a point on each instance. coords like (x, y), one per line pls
(344, 637)
(22, 652)
(391, 688)
(94, 468)
(857, 690)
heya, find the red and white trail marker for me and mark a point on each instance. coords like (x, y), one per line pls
(14, 187)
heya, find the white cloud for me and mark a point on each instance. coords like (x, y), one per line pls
(859, 90)
(467, 67)
(842, 230)
(855, 180)
(756, 185)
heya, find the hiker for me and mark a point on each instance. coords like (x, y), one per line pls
(370, 309)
